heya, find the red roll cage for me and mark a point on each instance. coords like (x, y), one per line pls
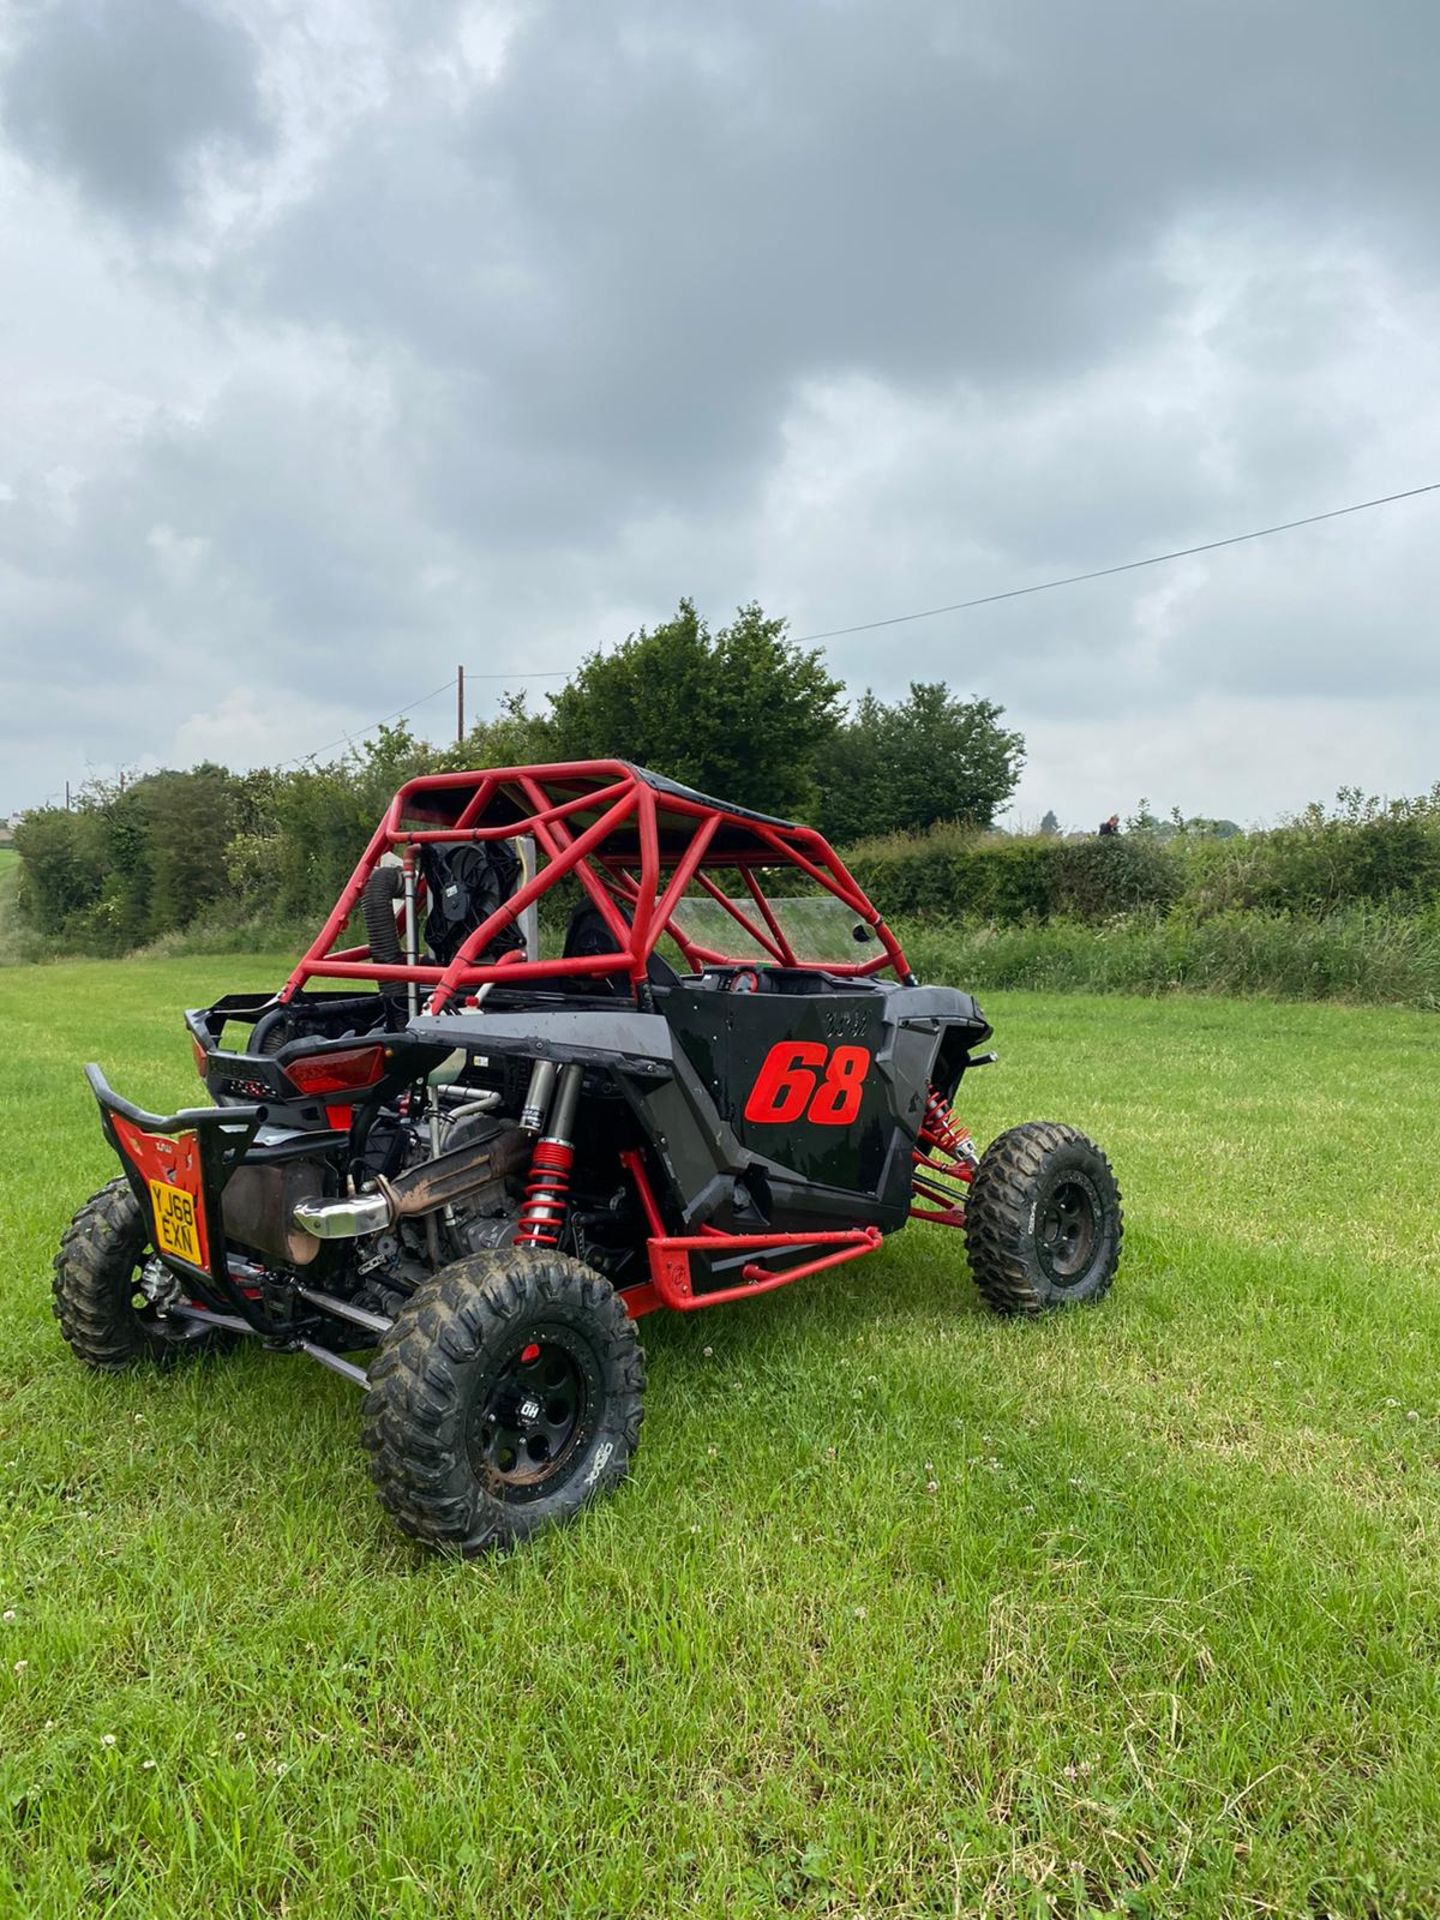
(636, 842)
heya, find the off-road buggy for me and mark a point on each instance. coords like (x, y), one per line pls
(486, 1161)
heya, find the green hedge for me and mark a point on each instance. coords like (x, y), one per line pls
(951, 874)
(191, 855)
(131, 865)
(1362, 954)
(1365, 853)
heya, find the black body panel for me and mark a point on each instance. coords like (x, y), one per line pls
(689, 1070)
(614, 1036)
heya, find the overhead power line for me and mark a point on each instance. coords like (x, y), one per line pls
(547, 673)
(929, 613)
(1126, 566)
(370, 726)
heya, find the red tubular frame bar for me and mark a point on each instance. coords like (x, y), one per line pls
(669, 1255)
(621, 798)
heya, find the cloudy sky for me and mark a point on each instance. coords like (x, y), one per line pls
(346, 341)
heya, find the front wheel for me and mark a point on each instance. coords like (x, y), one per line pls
(1043, 1223)
(506, 1395)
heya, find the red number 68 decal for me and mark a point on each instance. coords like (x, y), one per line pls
(788, 1084)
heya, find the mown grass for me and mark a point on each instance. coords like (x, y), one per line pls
(1162, 1641)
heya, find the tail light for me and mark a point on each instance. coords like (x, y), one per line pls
(202, 1059)
(344, 1072)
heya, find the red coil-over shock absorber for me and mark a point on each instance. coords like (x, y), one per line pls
(542, 1217)
(940, 1128)
(944, 1150)
(543, 1214)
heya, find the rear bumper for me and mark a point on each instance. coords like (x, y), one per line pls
(179, 1166)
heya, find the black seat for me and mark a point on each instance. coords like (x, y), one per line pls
(586, 934)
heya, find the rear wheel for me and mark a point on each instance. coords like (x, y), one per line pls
(506, 1395)
(1043, 1224)
(111, 1292)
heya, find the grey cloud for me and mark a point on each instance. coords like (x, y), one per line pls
(851, 306)
(243, 536)
(123, 97)
(627, 255)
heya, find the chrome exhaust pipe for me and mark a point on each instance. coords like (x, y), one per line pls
(440, 1182)
(345, 1219)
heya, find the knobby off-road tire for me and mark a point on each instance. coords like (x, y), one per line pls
(506, 1395)
(97, 1297)
(1043, 1224)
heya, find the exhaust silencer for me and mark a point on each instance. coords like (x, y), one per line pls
(440, 1182)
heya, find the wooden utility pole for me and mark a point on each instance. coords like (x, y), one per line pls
(459, 705)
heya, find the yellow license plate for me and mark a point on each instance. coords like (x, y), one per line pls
(176, 1230)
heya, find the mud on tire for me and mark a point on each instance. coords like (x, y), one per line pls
(1043, 1223)
(96, 1290)
(507, 1394)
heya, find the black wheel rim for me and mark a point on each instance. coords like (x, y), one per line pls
(534, 1415)
(1069, 1228)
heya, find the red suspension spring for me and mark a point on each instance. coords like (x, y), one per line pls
(546, 1196)
(939, 1128)
(944, 1149)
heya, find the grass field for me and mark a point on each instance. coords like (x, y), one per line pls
(1162, 1640)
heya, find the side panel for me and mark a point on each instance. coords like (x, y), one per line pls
(813, 1089)
(819, 1095)
(806, 1083)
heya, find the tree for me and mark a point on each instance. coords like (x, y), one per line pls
(62, 866)
(323, 815)
(1146, 825)
(185, 821)
(1202, 827)
(1050, 825)
(929, 757)
(128, 862)
(742, 713)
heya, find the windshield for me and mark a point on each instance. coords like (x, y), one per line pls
(822, 931)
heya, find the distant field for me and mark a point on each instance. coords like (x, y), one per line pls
(1164, 1642)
